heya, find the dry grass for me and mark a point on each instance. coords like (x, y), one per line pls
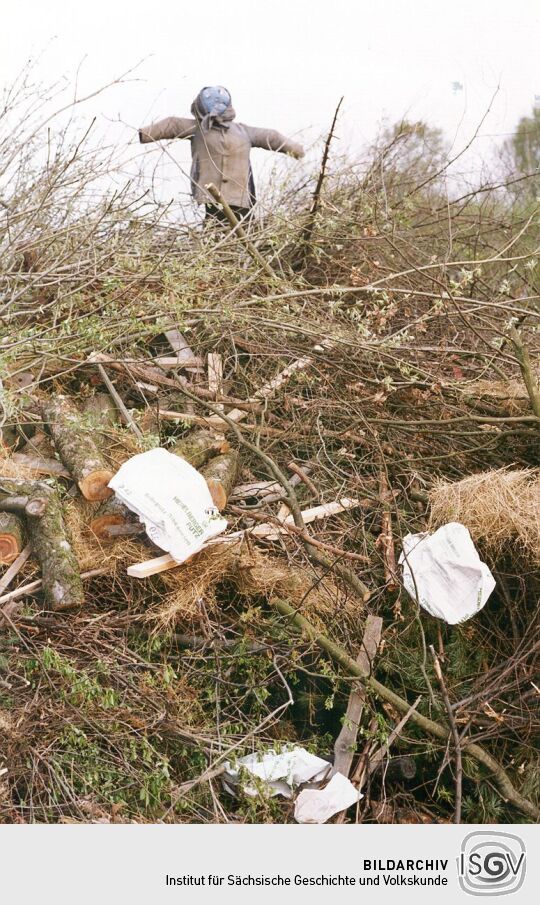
(90, 552)
(251, 574)
(501, 509)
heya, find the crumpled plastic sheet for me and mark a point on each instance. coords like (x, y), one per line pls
(281, 772)
(278, 772)
(319, 805)
(444, 573)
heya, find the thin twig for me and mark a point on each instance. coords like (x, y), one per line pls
(455, 735)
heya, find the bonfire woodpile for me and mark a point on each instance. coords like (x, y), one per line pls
(76, 445)
(356, 388)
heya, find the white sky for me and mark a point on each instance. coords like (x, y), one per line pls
(287, 62)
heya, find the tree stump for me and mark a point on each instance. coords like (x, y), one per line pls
(77, 448)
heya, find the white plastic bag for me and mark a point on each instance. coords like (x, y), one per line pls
(278, 772)
(172, 500)
(318, 805)
(445, 574)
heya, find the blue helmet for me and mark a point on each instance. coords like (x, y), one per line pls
(214, 100)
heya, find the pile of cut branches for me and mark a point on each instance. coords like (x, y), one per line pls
(366, 382)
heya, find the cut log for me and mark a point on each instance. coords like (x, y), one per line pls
(200, 446)
(62, 586)
(39, 445)
(115, 395)
(259, 492)
(48, 467)
(12, 537)
(77, 448)
(256, 494)
(112, 513)
(100, 412)
(220, 474)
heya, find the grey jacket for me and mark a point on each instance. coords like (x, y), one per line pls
(221, 155)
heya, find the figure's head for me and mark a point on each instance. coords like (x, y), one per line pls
(212, 108)
(213, 100)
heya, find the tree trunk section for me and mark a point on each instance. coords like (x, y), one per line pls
(77, 448)
(200, 446)
(12, 537)
(62, 586)
(100, 412)
(40, 445)
(110, 514)
(220, 474)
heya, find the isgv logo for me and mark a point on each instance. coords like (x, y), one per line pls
(491, 864)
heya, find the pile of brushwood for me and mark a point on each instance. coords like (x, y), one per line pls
(363, 365)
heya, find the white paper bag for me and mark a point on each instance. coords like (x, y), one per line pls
(445, 574)
(172, 500)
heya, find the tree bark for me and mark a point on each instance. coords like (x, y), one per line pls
(220, 474)
(47, 467)
(111, 513)
(77, 448)
(40, 445)
(62, 586)
(12, 537)
(200, 446)
(100, 412)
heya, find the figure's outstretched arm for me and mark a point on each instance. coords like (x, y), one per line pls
(271, 140)
(170, 127)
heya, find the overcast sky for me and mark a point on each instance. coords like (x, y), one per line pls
(287, 62)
